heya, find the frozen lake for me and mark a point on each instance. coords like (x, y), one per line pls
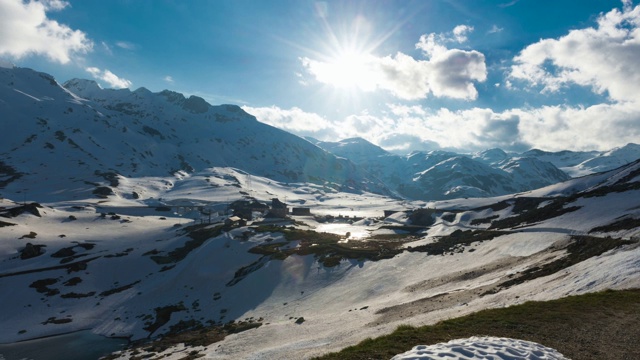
(80, 345)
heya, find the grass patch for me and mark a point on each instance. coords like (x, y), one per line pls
(456, 241)
(327, 248)
(527, 214)
(486, 220)
(603, 325)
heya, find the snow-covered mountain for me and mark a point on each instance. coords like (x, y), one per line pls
(438, 175)
(434, 175)
(588, 162)
(85, 138)
(70, 140)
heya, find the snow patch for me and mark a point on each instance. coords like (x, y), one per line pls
(482, 348)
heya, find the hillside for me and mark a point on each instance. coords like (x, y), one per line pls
(142, 272)
(94, 135)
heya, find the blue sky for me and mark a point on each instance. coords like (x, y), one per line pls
(406, 75)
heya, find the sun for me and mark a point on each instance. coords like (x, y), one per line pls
(352, 69)
(346, 69)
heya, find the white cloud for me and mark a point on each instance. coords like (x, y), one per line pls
(510, 3)
(168, 79)
(110, 78)
(446, 73)
(495, 29)
(460, 33)
(604, 58)
(26, 30)
(405, 128)
(599, 127)
(125, 45)
(106, 48)
(295, 121)
(552, 128)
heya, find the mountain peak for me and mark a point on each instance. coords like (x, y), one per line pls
(491, 156)
(196, 105)
(172, 96)
(82, 87)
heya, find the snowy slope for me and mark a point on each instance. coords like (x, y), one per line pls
(70, 138)
(120, 286)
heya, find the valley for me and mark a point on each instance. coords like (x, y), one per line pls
(193, 230)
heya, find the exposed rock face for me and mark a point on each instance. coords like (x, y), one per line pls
(422, 217)
(196, 105)
(30, 251)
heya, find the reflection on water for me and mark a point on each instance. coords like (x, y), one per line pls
(355, 232)
(81, 345)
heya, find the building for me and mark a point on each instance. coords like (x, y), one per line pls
(301, 211)
(278, 209)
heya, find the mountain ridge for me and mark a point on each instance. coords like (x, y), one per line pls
(139, 133)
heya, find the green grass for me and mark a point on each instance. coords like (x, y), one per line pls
(604, 325)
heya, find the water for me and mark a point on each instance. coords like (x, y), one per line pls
(81, 345)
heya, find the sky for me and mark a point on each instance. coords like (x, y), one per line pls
(452, 75)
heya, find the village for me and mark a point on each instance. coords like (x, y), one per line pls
(255, 212)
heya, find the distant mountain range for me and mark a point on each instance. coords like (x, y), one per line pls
(74, 140)
(437, 175)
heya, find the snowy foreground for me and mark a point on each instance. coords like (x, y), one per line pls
(482, 348)
(121, 267)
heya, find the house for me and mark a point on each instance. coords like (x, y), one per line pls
(278, 209)
(235, 221)
(301, 211)
(245, 208)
